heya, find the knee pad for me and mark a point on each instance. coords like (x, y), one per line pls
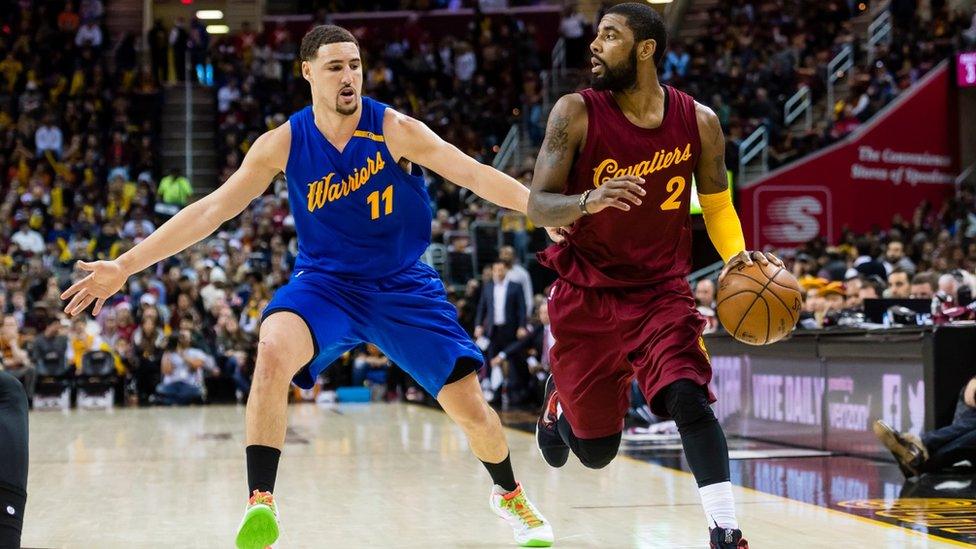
(687, 403)
(598, 453)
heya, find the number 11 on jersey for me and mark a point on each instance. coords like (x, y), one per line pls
(374, 202)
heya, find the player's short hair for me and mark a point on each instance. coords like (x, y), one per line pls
(645, 22)
(321, 35)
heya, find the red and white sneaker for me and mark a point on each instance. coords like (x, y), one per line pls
(551, 445)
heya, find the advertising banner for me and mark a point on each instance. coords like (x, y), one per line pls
(904, 156)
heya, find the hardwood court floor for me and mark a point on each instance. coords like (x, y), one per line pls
(369, 476)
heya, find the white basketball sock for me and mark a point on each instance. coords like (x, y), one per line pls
(719, 505)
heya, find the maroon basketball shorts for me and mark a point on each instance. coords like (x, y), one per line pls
(606, 337)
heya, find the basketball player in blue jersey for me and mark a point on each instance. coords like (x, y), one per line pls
(363, 219)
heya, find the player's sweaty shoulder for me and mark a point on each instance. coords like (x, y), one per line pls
(708, 122)
(271, 149)
(570, 113)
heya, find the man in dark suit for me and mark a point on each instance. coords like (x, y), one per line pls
(531, 354)
(501, 318)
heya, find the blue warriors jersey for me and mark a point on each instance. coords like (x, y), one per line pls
(357, 213)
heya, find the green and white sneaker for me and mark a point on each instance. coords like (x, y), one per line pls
(259, 528)
(530, 528)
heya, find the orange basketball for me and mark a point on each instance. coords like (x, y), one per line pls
(759, 304)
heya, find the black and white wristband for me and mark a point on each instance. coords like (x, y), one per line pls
(582, 201)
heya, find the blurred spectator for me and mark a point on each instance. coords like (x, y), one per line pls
(872, 288)
(89, 34)
(852, 293)
(183, 369)
(369, 363)
(50, 346)
(48, 137)
(865, 264)
(235, 352)
(158, 42)
(28, 240)
(531, 352)
(924, 286)
(82, 338)
(676, 62)
(705, 293)
(895, 258)
(148, 342)
(501, 318)
(938, 450)
(834, 295)
(705, 302)
(16, 359)
(175, 189)
(899, 286)
(949, 286)
(518, 274)
(68, 19)
(572, 27)
(178, 43)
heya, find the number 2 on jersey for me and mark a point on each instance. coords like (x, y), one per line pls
(675, 186)
(374, 202)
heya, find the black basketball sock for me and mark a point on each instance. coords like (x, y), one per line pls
(262, 468)
(502, 473)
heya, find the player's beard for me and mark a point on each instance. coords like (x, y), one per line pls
(345, 110)
(619, 78)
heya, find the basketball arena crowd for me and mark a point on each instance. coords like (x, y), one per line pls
(81, 179)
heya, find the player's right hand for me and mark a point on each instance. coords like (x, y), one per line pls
(616, 193)
(104, 279)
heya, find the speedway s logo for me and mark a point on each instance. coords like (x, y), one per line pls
(789, 216)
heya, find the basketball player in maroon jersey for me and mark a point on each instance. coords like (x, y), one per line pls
(615, 169)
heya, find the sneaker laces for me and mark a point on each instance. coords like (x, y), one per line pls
(264, 498)
(520, 507)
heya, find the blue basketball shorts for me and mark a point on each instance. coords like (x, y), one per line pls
(407, 315)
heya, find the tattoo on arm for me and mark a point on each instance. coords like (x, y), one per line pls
(557, 139)
(720, 180)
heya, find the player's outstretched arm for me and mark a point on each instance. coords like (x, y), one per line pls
(410, 138)
(721, 221)
(266, 157)
(565, 136)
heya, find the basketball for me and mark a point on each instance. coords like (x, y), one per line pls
(759, 304)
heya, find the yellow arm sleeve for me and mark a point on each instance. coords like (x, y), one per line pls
(722, 224)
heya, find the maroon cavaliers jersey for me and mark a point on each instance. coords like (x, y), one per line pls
(651, 242)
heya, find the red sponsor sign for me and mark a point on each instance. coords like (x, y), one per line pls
(966, 69)
(792, 214)
(903, 156)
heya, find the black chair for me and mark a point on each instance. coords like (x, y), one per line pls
(97, 379)
(55, 380)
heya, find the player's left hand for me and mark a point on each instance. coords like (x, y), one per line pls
(747, 258)
(557, 234)
(521, 332)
